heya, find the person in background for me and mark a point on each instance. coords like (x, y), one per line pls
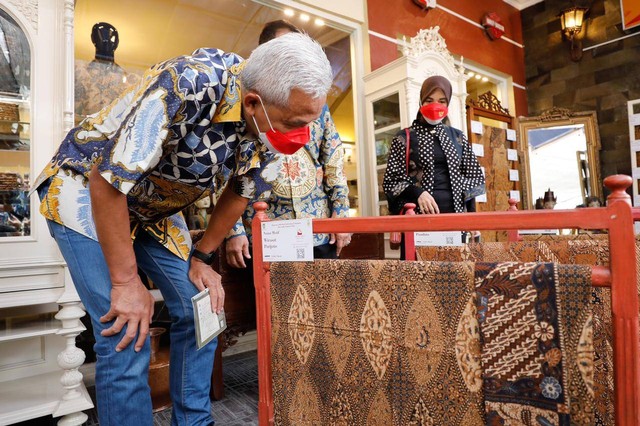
(309, 183)
(113, 192)
(441, 174)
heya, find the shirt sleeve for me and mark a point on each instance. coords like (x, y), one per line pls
(176, 94)
(332, 161)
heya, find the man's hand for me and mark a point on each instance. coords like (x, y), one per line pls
(131, 305)
(341, 241)
(237, 249)
(203, 276)
(427, 204)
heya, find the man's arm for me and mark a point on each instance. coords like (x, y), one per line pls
(225, 214)
(131, 303)
(334, 182)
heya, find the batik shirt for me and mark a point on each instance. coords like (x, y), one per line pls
(309, 183)
(161, 143)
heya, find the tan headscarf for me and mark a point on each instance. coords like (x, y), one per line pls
(433, 83)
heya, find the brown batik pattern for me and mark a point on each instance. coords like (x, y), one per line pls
(585, 249)
(535, 327)
(375, 343)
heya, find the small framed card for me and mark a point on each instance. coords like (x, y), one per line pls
(515, 195)
(511, 135)
(478, 149)
(441, 238)
(287, 240)
(482, 198)
(514, 176)
(208, 323)
(512, 154)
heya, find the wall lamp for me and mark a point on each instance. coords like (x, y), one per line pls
(572, 20)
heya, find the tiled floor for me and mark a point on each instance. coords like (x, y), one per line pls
(239, 407)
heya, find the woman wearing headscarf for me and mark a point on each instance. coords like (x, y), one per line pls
(441, 173)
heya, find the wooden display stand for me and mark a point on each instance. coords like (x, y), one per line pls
(620, 276)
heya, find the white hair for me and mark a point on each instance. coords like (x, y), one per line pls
(291, 61)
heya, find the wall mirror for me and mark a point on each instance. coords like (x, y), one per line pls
(560, 151)
(15, 117)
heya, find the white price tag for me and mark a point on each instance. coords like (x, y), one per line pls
(476, 127)
(442, 238)
(514, 176)
(481, 198)
(515, 195)
(511, 135)
(287, 241)
(478, 149)
(512, 154)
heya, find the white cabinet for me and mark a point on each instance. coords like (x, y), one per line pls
(39, 308)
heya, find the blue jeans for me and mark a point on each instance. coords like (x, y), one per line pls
(122, 389)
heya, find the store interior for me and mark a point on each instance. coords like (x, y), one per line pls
(546, 93)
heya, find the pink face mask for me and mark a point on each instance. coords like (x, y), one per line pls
(434, 113)
(284, 143)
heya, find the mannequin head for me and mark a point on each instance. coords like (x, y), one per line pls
(105, 38)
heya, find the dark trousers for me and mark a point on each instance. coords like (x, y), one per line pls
(325, 251)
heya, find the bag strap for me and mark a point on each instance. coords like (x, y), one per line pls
(408, 138)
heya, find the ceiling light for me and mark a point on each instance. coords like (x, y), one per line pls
(485, 79)
(471, 74)
(478, 76)
(304, 17)
(319, 22)
(289, 12)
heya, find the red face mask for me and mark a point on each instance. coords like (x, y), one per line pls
(284, 143)
(434, 112)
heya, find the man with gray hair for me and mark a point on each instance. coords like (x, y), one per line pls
(113, 192)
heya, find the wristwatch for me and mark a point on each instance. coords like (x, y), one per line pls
(206, 258)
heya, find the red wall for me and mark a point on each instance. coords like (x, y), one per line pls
(403, 17)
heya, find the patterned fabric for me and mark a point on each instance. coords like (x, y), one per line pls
(309, 183)
(375, 342)
(467, 180)
(97, 84)
(587, 249)
(546, 237)
(537, 348)
(156, 143)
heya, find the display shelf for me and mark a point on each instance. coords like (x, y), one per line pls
(30, 329)
(33, 397)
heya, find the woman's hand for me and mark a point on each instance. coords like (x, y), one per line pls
(427, 204)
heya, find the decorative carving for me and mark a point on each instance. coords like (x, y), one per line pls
(29, 9)
(71, 358)
(556, 113)
(490, 102)
(429, 40)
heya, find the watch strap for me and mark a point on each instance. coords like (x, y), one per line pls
(206, 258)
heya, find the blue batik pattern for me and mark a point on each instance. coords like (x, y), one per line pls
(161, 143)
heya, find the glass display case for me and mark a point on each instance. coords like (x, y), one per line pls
(15, 132)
